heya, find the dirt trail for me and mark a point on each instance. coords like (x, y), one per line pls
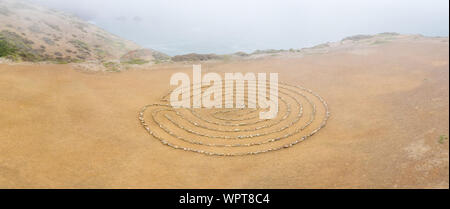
(61, 128)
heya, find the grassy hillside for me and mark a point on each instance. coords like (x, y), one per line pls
(33, 33)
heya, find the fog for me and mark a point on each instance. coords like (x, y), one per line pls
(227, 26)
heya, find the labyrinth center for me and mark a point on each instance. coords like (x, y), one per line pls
(237, 131)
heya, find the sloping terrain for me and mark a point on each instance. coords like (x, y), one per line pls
(348, 43)
(31, 32)
(143, 56)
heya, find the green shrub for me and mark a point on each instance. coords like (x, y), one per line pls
(136, 62)
(321, 46)
(379, 42)
(79, 45)
(6, 49)
(357, 37)
(112, 66)
(18, 48)
(442, 139)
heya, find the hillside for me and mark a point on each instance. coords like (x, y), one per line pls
(356, 43)
(31, 32)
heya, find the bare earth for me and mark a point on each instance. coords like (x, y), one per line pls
(63, 128)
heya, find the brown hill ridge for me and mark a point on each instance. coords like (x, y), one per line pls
(30, 32)
(141, 56)
(351, 43)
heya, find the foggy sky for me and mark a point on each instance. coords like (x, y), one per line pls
(227, 26)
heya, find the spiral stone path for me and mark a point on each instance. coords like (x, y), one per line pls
(237, 131)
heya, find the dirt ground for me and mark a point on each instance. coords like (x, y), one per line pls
(63, 128)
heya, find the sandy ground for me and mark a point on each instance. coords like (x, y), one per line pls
(62, 128)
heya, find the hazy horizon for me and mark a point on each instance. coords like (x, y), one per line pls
(202, 26)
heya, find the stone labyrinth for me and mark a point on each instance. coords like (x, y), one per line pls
(238, 131)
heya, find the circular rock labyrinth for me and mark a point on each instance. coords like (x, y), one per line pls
(237, 131)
